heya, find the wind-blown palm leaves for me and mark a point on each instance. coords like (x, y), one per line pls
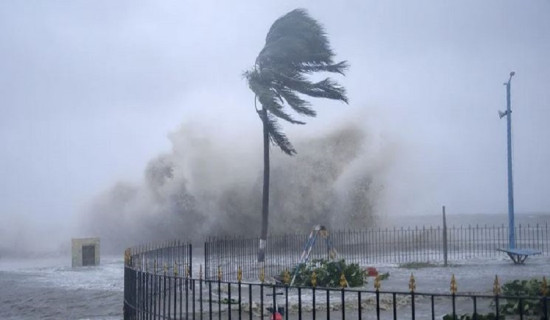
(296, 46)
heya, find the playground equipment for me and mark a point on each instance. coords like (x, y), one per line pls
(317, 231)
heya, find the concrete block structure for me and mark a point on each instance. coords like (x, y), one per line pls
(85, 252)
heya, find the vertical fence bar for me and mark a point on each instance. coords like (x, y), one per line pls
(240, 299)
(175, 295)
(497, 307)
(169, 295)
(201, 308)
(229, 301)
(475, 308)
(250, 301)
(286, 303)
(394, 305)
(453, 298)
(154, 296)
(314, 308)
(359, 311)
(413, 311)
(299, 303)
(545, 307)
(377, 304)
(262, 300)
(210, 299)
(343, 303)
(445, 249)
(328, 303)
(219, 298)
(520, 306)
(433, 307)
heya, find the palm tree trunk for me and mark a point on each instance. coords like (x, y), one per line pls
(265, 196)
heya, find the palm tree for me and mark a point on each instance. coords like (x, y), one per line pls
(296, 46)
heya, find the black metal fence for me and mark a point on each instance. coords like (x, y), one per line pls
(147, 287)
(164, 293)
(372, 246)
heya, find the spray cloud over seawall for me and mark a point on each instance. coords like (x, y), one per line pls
(204, 187)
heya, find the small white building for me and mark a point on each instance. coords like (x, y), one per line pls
(85, 252)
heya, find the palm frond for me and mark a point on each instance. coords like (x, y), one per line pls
(276, 135)
(339, 67)
(268, 97)
(296, 46)
(294, 101)
(296, 39)
(326, 88)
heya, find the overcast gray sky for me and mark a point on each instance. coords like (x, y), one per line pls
(89, 91)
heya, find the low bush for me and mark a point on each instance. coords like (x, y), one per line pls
(523, 288)
(532, 308)
(328, 273)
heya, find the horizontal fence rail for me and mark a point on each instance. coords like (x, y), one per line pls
(162, 294)
(388, 245)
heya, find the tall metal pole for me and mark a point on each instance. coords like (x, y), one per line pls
(508, 114)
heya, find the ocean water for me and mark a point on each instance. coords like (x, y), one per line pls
(49, 288)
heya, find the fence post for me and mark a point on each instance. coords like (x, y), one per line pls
(377, 288)
(444, 238)
(206, 259)
(496, 291)
(412, 288)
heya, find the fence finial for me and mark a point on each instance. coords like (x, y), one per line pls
(496, 286)
(262, 274)
(313, 279)
(453, 284)
(219, 273)
(127, 257)
(165, 268)
(343, 281)
(187, 271)
(286, 277)
(239, 274)
(200, 272)
(377, 282)
(412, 283)
(175, 268)
(544, 287)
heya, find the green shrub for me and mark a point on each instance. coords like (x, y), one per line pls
(522, 288)
(510, 306)
(328, 273)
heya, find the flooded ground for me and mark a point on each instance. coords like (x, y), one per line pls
(49, 288)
